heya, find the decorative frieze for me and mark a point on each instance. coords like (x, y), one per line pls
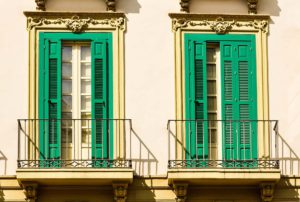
(40, 5)
(75, 23)
(120, 192)
(219, 25)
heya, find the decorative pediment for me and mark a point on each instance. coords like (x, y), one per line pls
(252, 6)
(75, 22)
(220, 24)
(110, 5)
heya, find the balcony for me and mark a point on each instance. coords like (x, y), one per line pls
(218, 152)
(74, 151)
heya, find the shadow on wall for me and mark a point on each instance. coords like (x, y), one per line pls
(287, 187)
(143, 160)
(233, 7)
(128, 6)
(3, 164)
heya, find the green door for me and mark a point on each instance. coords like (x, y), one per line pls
(238, 100)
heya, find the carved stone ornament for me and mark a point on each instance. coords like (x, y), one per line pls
(267, 191)
(120, 192)
(75, 23)
(180, 190)
(252, 6)
(185, 5)
(110, 5)
(220, 25)
(40, 5)
(30, 191)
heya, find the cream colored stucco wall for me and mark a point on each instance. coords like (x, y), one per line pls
(149, 70)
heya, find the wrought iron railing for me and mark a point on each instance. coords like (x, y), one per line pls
(238, 143)
(74, 143)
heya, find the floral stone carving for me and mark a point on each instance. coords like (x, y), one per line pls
(75, 23)
(110, 5)
(185, 5)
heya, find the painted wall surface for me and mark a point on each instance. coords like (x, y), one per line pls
(149, 67)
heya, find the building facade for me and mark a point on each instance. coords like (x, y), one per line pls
(145, 101)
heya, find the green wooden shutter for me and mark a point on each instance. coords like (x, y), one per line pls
(99, 99)
(198, 101)
(53, 94)
(238, 100)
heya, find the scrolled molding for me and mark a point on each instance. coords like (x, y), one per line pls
(75, 24)
(219, 24)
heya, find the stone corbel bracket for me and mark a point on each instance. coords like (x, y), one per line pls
(267, 191)
(220, 24)
(110, 5)
(252, 6)
(120, 191)
(40, 5)
(75, 22)
(180, 190)
(30, 191)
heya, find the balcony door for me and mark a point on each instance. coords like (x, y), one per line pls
(76, 101)
(221, 97)
(74, 96)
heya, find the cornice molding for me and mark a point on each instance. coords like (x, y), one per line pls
(75, 22)
(220, 24)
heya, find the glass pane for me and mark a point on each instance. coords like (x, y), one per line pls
(85, 53)
(66, 135)
(67, 122)
(211, 71)
(86, 120)
(86, 69)
(86, 136)
(86, 86)
(212, 103)
(67, 86)
(66, 103)
(211, 87)
(66, 70)
(67, 53)
(211, 55)
(86, 102)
